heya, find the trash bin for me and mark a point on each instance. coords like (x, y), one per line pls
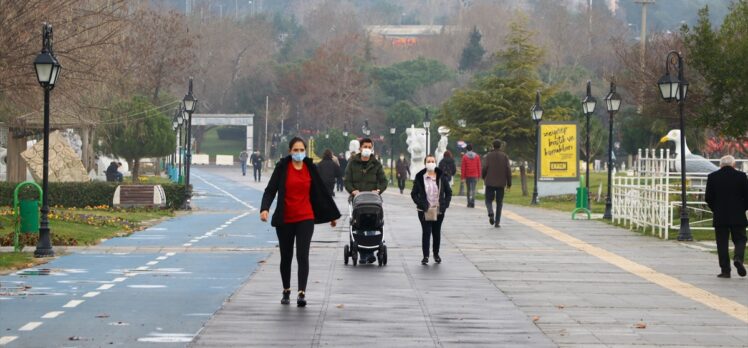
(582, 195)
(29, 216)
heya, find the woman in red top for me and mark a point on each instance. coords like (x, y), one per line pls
(302, 202)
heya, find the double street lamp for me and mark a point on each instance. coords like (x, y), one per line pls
(537, 114)
(613, 104)
(676, 88)
(47, 71)
(190, 103)
(588, 104)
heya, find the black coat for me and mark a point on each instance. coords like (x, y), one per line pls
(418, 193)
(727, 197)
(447, 165)
(323, 206)
(329, 170)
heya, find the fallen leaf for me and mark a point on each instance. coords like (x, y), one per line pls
(340, 306)
(103, 315)
(261, 261)
(535, 318)
(641, 325)
(561, 306)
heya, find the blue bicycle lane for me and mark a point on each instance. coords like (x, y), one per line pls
(157, 287)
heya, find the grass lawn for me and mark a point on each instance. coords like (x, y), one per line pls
(83, 226)
(74, 227)
(211, 145)
(12, 261)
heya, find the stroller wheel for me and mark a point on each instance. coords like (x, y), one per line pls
(354, 257)
(384, 255)
(346, 254)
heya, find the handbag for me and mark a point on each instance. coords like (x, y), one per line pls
(431, 214)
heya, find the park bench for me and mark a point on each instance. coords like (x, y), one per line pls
(149, 196)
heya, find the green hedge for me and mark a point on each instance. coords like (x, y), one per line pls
(232, 133)
(82, 194)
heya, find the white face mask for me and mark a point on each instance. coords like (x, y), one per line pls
(431, 166)
(402, 158)
(366, 152)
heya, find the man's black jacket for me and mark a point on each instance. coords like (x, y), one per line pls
(727, 197)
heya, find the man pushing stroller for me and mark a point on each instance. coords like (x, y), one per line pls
(365, 173)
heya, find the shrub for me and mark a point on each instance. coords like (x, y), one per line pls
(82, 194)
(232, 133)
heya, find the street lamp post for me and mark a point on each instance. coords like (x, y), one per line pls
(427, 125)
(537, 114)
(47, 70)
(189, 106)
(462, 123)
(393, 130)
(588, 104)
(676, 88)
(180, 161)
(613, 104)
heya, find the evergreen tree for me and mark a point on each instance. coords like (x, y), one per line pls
(719, 56)
(472, 54)
(136, 129)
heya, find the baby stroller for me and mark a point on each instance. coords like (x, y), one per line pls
(366, 222)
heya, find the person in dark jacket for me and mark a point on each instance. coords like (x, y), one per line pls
(447, 166)
(431, 188)
(342, 162)
(727, 197)
(329, 171)
(365, 173)
(112, 172)
(302, 202)
(257, 160)
(497, 175)
(402, 167)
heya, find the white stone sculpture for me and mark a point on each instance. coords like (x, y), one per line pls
(64, 164)
(353, 147)
(441, 146)
(416, 141)
(74, 140)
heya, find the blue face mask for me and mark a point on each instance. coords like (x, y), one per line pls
(298, 156)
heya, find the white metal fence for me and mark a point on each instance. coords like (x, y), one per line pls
(649, 199)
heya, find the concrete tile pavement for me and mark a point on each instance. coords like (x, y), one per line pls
(512, 286)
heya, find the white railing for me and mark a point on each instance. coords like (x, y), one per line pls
(650, 198)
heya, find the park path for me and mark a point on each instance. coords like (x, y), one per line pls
(540, 280)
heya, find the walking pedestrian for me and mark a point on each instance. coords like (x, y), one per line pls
(365, 173)
(329, 171)
(343, 162)
(431, 193)
(448, 167)
(257, 165)
(497, 175)
(243, 156)
(403, 172)
(470, 170)
(727, 197)
(302, 202)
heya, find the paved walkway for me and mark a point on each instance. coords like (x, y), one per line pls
(540, 280)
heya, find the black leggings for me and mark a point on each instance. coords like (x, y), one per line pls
(301, 231)
(430, 228)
